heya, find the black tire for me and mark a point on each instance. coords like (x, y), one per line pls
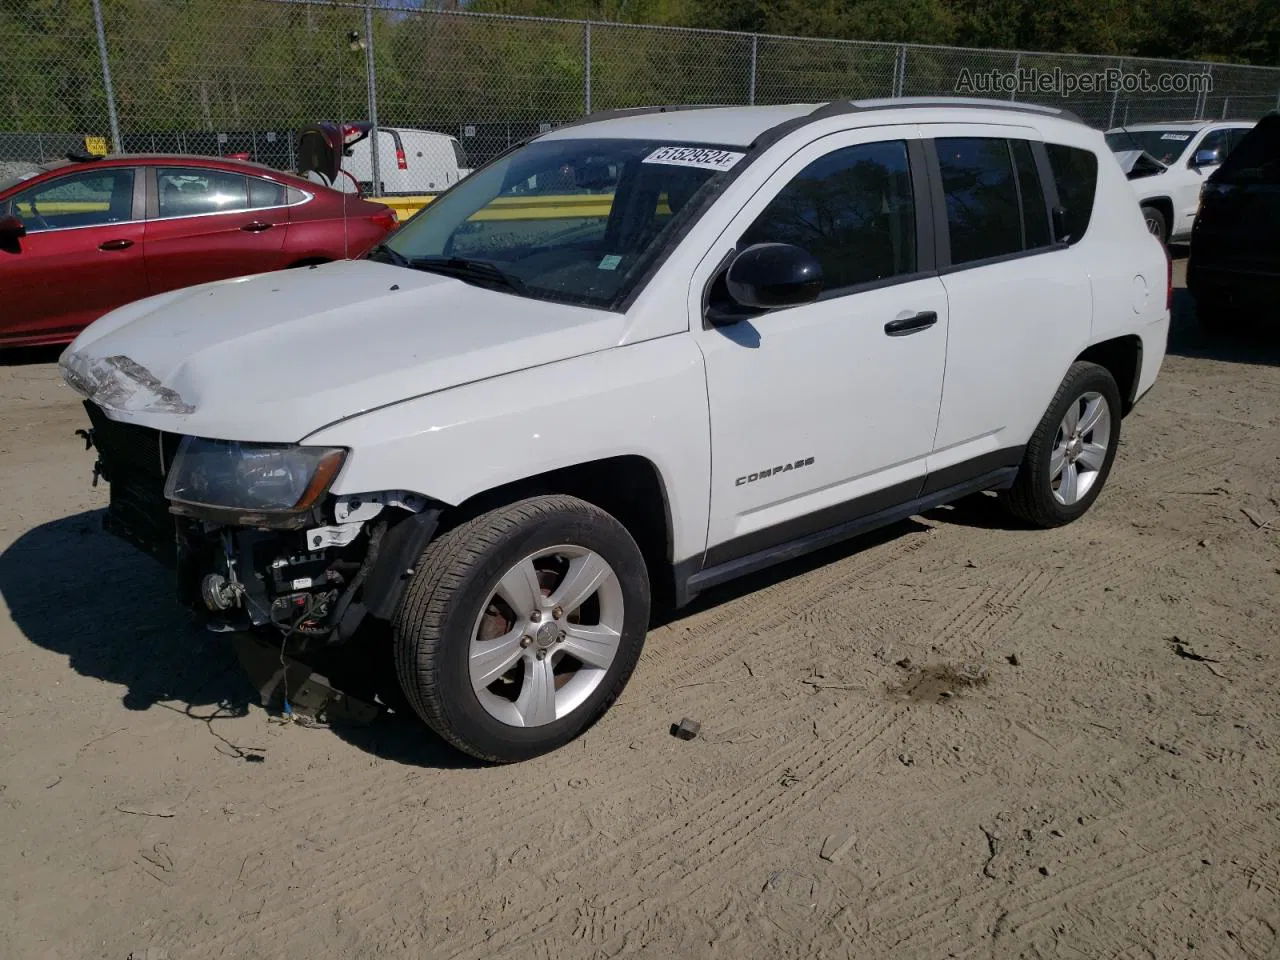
(1031, 498)
(1156, 223)
(457, 574)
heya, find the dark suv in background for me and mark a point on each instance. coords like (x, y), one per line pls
(1233, 268)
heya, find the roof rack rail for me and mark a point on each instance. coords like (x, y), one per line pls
(639, 112)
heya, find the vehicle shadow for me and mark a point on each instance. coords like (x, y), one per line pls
(77, 591)
(29, 356)
(1259, 344)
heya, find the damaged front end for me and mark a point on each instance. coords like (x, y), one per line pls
(257, 541)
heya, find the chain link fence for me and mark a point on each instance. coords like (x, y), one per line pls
(223, 77)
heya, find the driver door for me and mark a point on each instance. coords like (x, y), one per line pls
(825, 413)
(81, 256)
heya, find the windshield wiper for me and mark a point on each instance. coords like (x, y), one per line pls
(384, 254)
(469, 271)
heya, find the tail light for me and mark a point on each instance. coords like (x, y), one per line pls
(401, 162)
(1168, 296)
(386, 219)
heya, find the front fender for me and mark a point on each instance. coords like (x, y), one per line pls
(646, 399)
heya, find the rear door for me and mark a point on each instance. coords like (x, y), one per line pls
(81, 257)
(1019, 301)
(205, 224)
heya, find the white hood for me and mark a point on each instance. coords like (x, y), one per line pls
(276, 356)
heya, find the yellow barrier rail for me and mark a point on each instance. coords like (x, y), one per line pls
(549, 207)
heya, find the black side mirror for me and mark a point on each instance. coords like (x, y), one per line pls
(767, 276)
(11, 229)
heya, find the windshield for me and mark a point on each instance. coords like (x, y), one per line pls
(1165, 145)
(575, 220)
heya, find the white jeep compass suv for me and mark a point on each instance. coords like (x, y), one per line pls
(632, 358)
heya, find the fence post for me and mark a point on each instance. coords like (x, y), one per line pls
(1225, 101)
(371, 79)
(1202, 100)
(1017, 65)
(586, 73)
(106, 78)
(900, 71)
(1115, 96)
(751, 85)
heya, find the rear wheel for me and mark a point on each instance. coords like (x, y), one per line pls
(522, 626)
(1071, 452)
(1157, 226)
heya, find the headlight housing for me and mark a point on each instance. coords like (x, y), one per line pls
(251, 484)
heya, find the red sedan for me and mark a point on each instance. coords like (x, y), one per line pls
(82, 237)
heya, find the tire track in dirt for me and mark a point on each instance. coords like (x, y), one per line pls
(728, 823)
(1092, 873)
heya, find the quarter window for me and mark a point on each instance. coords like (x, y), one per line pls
(852, 209)
(86, 199)
(191, 191)
(265, 193)
(1075, 174)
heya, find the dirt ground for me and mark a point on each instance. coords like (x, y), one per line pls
(1101, 781)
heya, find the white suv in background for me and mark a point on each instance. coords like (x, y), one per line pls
(524, 420)
(1186, 153)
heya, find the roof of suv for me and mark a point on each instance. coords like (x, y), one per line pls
(743, 126)
(1190, 125)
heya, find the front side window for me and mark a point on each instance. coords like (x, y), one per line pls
(190, 191)
(852, 209)
(89, 199)
(1215, 140)
(571, 220)
(1256, 158)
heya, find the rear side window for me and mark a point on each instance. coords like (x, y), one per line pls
(852, 209)
(1075, 174)
(191, 191)
(1035, 209)
(264, 193)
(983, 210)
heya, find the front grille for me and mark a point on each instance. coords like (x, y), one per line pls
(134, 461)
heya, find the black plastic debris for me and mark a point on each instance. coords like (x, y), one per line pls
(686, 729)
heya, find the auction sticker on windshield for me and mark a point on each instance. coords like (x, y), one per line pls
(707, 158)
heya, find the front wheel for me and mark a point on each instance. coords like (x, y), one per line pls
(521, 627)
(1071, 451)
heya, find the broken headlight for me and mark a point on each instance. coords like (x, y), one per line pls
(267, 484)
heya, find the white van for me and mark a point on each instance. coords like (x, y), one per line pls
(410, 162)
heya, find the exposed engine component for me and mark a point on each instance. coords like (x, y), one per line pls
(219, 593)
